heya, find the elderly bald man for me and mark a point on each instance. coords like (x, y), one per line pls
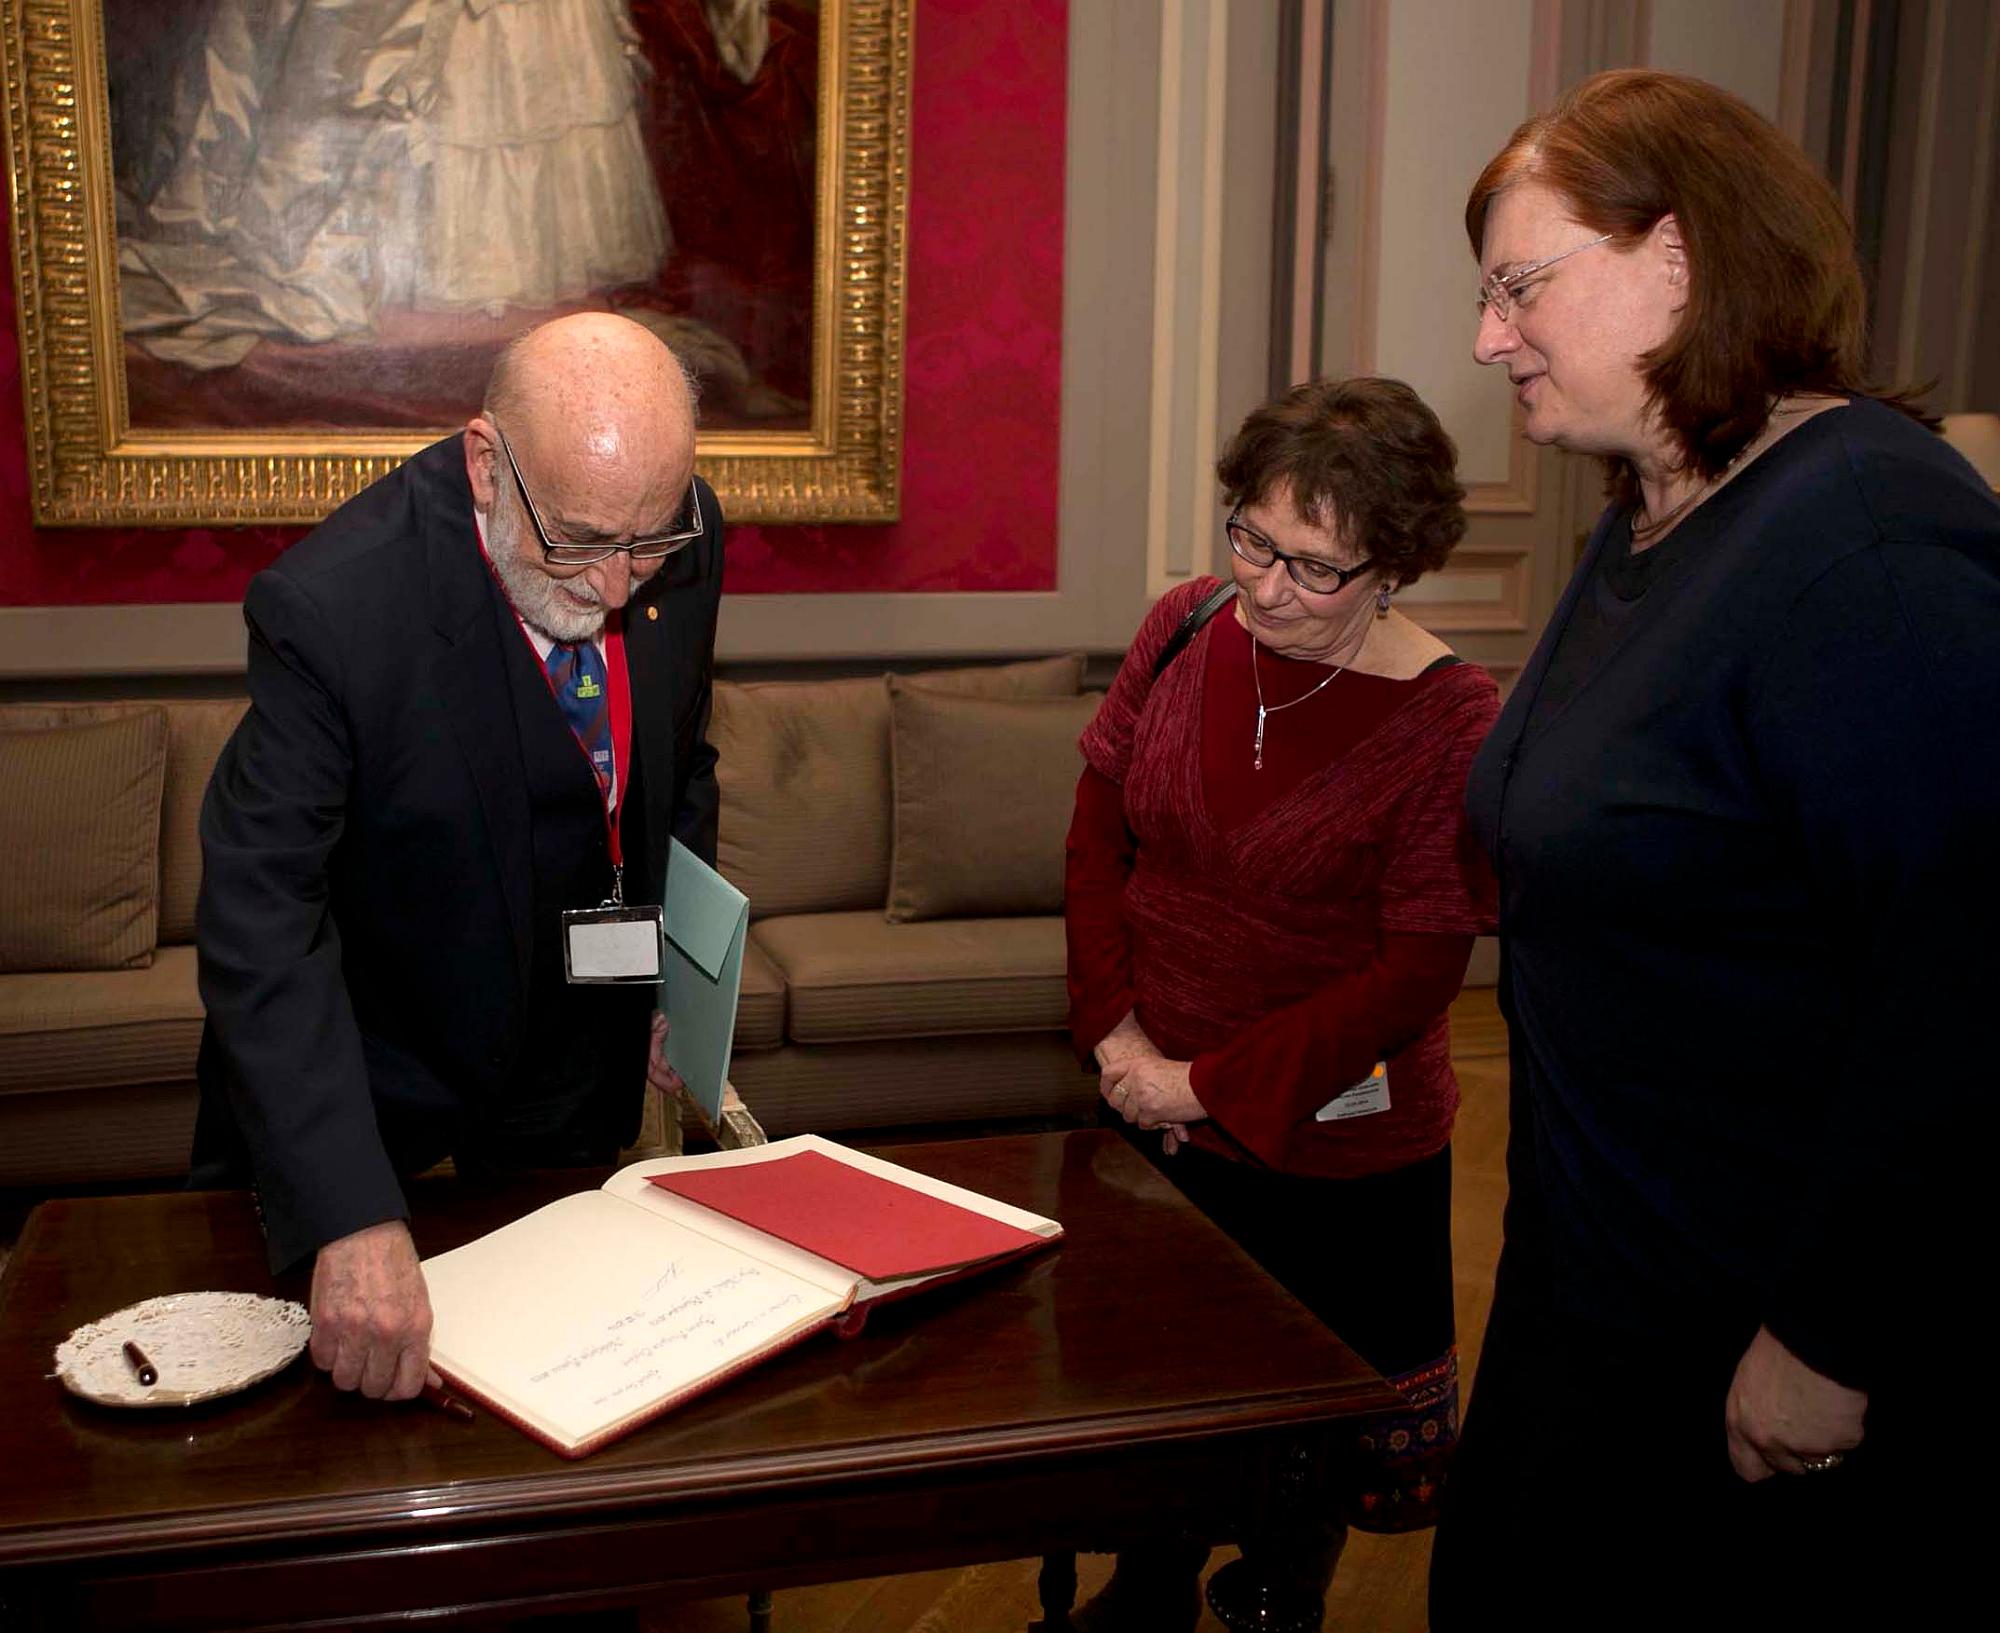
(479, 698)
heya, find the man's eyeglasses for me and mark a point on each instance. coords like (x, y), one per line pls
(1308, 572)
(686, 529)
(1497, 289)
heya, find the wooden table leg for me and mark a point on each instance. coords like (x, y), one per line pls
(1056, 1587)
(1289, 1551)
(660, 1120)
(735, 1129)
(739, 1129)
(1245, 1597)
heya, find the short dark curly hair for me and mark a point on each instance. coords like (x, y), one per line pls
(1364, 458)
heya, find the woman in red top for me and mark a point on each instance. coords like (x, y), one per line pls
(1271, 900)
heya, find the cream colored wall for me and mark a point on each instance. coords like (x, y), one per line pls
(39, 643)
(1424, 93)
(1470, 57)
(1215, 149)
(1737, 44)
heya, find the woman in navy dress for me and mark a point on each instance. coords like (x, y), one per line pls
(1742, 805)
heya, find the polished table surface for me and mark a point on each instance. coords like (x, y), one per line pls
(1142, 1373)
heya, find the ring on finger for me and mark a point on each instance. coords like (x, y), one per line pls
(1824, 1464)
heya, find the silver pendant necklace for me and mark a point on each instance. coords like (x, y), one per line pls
(1263, 712)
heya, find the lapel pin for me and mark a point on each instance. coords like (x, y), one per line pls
(652, 615)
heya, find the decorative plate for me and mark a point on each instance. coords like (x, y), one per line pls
(202, 1345)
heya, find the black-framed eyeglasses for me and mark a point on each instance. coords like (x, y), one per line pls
(686, 529)
(1308, 572)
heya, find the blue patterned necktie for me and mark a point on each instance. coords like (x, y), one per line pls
(576, 671)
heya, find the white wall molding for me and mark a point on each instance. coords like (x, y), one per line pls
(201, 638)
(1214, 192)
(1187, 283)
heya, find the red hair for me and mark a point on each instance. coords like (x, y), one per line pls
(1776, 303)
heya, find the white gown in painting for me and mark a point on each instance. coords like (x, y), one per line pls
(325, 159)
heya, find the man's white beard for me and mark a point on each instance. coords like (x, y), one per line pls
(537, 597)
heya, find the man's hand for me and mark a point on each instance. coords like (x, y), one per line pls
(1783, 1416)
(659, 1075)
(371, 1314)
(1151, 1091)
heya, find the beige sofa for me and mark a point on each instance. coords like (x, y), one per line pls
(900, 841)
(99, 865)
(897, 972)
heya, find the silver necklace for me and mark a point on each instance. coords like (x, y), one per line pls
(1653, 526)
(1263, 712)
(1641, 531)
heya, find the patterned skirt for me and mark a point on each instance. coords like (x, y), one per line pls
(1371, 1257)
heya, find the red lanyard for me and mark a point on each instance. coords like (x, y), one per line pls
(620, 687)
(621, 728)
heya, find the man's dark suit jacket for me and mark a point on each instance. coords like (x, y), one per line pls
(377, 852)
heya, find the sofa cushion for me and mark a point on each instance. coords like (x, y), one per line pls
(760, 1001)
(80, 844)
(116, 1133)
(99, 1028)
(803, 769)
(853, 976)
(802, 823)
(984, 789)
(196, 730)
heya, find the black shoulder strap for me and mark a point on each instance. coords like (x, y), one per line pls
(1220, 597)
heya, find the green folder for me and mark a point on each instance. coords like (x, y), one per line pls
(707, 919)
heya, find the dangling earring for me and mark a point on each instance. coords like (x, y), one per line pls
(1382, 601)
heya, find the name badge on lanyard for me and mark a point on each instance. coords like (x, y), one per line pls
(613, 944)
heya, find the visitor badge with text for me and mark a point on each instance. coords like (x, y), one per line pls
(614, 943)
(1364, 1099)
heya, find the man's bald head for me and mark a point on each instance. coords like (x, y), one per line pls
(600, 415)
(595, 385)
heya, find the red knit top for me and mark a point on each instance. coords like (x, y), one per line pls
(1282, 929)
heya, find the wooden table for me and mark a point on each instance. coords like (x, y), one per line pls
(1143, 1375)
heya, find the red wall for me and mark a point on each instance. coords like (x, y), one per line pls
(984, 327)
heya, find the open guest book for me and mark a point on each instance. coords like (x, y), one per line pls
(592, 1315)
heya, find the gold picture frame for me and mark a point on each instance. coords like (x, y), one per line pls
(90, 467)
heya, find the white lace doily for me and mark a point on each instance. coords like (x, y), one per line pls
(202, 1344)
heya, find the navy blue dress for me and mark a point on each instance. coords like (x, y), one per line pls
(1744, 806)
